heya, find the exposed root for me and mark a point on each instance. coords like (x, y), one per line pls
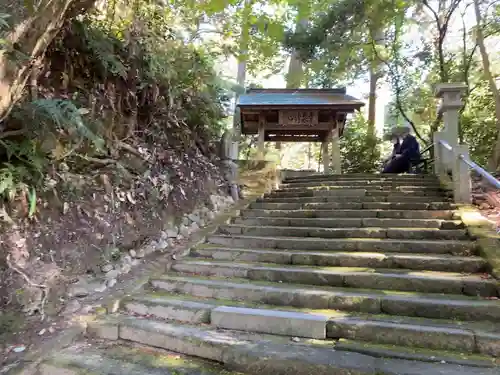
(43, 287)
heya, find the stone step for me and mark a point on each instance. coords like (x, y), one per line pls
(356, 199)
(297, 193)
(367, 278)
(168, 308)
(440, 206)
(347, 222)
(124, 360)
(361, 178)
(422, 334)
(364, 185)
(422, 262)
(353, 213)
(346, 244)
(424, 355)
(372, 232)
(254, 354)
(368, 188)
(432, 306)
(364, 176)
(322, 324)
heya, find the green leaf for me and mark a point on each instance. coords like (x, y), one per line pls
(30, 5)
(32, 201)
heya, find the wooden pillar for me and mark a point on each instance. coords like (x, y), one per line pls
(261, 141)
(336, 159)
(326, 153)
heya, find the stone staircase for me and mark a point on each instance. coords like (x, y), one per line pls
(338, 274)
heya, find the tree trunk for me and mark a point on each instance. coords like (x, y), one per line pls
(31, 34)
(295, 74)
(242, 61)
(494, 161)
(372, 102)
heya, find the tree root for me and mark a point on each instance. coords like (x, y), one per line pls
(43, 287)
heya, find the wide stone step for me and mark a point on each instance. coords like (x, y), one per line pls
(297, 193)
(368, 188)
(350, 244)
(124, 360)
(357, 199)
(415, 333)
(364, 185)
(372, 232)
(254, 354)
(353, 213)
(322, 324)
(421, 262)
(347, 222)
(345, 205)
(381, 279)
(432, 306)
(364, 176)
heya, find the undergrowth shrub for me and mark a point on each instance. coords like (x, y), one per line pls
(360, 152)
(103, 82)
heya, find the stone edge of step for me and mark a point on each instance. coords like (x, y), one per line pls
(378, 279)
(423, 333)
(411, 261)
(374, 302)
(254, 354)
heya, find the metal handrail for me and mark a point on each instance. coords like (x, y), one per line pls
(475, 167)
(426, 149)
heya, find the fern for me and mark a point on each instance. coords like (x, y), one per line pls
(58, 114)
(4, 24)
(103, 49)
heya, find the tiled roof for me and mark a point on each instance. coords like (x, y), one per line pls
(287, 97)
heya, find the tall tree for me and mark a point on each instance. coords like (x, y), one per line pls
(33, 26)
(494, 162)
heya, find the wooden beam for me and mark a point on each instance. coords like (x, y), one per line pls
(293, 138)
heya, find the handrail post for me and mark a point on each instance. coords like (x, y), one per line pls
(462, 189)
(451, 103)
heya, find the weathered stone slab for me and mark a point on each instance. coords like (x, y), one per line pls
(244, 255)
(286, 323)
(278, 295)
(252, 213)
(446, 308)
(103, 329)
(352, 213)
(269, 358)
(424, 282)
(171, 309)
(318, 199)
(399, 185)
(401, 334)
(488, 343)
(301, 222)
(416, 214)
(429, 262)
(341, 244)
(427, 306)
(181, 339)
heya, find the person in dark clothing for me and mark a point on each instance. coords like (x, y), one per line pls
(395, 150)
(409, 150)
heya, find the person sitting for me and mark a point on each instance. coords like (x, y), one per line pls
(409, 150)
(395, 150)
